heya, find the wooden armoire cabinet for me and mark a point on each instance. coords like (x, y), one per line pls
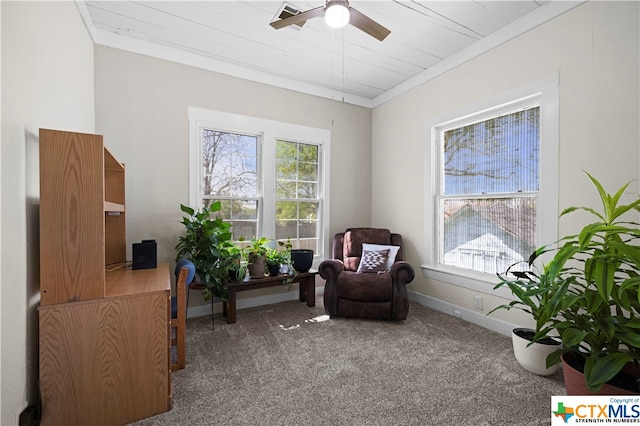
(104, 328)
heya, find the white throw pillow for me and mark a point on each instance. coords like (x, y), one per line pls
(374, 261)
(393, 252)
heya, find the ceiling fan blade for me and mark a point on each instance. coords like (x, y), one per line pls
(368, 25)
(299, 18)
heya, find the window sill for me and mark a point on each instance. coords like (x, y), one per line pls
(478, 282)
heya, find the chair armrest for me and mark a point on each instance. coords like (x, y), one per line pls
(402, 272)
(330, 269)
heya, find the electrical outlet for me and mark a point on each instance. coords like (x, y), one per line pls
(477, 302)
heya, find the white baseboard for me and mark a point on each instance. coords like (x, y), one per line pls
(493, 324)
(249, 302)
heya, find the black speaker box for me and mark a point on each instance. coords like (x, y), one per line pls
(145, 255)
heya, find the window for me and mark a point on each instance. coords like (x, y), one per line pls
(297, 197)
(494, 186)
(488, 190)
(268, 175)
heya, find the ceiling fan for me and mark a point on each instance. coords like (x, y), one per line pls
(337, 14)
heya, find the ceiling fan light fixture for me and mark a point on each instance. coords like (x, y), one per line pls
(336, 14)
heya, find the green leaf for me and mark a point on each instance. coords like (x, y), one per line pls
(571, 337)
(554, 357)
(632, 338)
(604, 197)
(187, 210)
(598, 372)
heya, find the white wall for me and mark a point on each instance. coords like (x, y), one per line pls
(47, 81)
(594, 49)
(141, 109)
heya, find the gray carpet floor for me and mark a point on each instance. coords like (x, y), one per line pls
(288, 364)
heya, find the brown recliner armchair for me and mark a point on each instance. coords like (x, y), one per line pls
(378, 292)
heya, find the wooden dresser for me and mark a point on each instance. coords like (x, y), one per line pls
(104, 336)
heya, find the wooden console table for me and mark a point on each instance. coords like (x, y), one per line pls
(305, 280)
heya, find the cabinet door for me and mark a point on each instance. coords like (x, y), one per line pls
(104, 362)
(72, 258)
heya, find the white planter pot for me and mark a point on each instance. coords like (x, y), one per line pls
(533, 358)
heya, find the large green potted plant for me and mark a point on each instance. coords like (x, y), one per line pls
(593, 294)
(207, 242)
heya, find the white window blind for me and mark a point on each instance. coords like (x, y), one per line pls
(487, 200)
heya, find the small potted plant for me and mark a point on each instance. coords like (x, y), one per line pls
(256, 253)
(279, 261)
(237, 264)
(530, 289)
(593, 298)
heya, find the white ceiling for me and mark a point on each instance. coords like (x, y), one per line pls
(234, 37)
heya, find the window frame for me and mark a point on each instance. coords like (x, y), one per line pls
(268, 132)
(543, 93)
(297, 200)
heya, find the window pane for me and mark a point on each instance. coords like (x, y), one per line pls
(286, 229)
(309, 244)
(285, 189)
(229, 164)
(301, 234)
(308, 229)
(286, 169)
(308, 172)
(243, 215)
(308, 153)
(499, 155)
(307, 190)
(244, 229)
(286, 210)
(488, 235)
(236, 209)
(244, 209)
(308, 211)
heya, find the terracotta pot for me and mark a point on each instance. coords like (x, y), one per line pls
(576, 385)
(533, 358)
(257, 266)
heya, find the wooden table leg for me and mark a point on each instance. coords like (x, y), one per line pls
(302, 289)
(231, 306)
(311, 291)
(307, 288)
